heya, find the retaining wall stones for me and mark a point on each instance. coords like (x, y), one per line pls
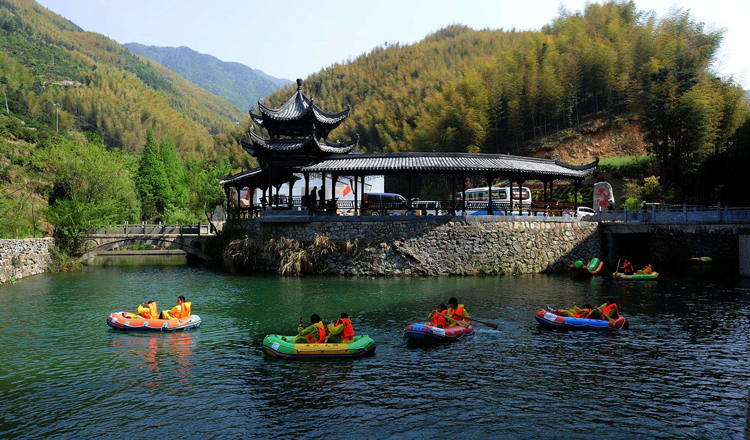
(427, 246)
(23, 258)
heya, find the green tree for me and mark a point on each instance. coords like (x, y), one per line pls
(151, 181)
(175, 172)
(205, 192)
(91, 189)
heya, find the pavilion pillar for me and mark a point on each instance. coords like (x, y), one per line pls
(489, 200)
(291, 187)
(306, 198)
(323, 187)
(239, 213)
(356, 198)
(453, 195)
(334, 180)
(251, 194)
(510, 195)
(576, 184)
(408, 200)
(520, 197)
(362, 200)
(463, 192)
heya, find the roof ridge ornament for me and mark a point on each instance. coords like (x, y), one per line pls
(299, 83)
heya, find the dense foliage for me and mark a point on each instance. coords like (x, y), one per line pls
(235, 82)
(501, 91)
(54, 73)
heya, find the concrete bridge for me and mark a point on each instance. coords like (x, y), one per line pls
(190, 238)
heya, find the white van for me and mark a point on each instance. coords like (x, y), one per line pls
(477, 198)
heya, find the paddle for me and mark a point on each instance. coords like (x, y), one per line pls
(488, 324)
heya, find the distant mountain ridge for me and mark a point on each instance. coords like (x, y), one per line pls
(237, 83)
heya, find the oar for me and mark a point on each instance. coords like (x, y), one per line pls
(488, 324)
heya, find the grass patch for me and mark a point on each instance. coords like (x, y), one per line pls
(61, 261)
(610, 163)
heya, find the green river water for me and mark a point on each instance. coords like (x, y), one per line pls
(681, 371)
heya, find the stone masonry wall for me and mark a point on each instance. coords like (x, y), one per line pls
(23, 258)
(435, 245)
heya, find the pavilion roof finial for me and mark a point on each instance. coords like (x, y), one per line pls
(299, 83)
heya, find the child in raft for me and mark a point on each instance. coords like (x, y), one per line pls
(458, 312)
(439, 317)
(341, 330)
(313, 334)
(149, 311)
(608, 311)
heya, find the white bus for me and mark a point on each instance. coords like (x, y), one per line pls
(477, 198)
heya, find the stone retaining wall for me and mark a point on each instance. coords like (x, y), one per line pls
(23, 258)
(424, 246)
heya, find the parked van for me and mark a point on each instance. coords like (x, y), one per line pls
(384, 204)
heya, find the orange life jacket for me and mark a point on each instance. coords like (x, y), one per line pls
(152, 313)
(438, 318)
(607, 309)
(583, 313)
(627, 268)
(321, 335)
(348, 333)
(457, 314)
(184, 311)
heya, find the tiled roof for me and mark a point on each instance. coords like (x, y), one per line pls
(298, 143)
(297, 106)
(240, 176)
(443, 162)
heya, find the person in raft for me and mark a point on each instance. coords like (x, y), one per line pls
(458, 312)
(341, 330)
(440, 318)
(626, 268)
(149, 311)
(608, 311)
(314, 334)
(180, 311)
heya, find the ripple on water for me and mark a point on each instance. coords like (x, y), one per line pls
(680, 371)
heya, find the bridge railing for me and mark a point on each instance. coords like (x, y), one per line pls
(662, 213)
(155, 229)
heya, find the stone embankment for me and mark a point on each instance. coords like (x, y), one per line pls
(23, 258)
(457, 246)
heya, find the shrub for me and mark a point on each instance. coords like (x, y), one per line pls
(600, 178)
(651, 188)
(633, 204)
(617, 174)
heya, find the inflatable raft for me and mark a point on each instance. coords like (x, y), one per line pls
(593, 268)
(636, 276)
(552, 320)
(420, 332)
(118, 321)
(701, 259)
(281, 347)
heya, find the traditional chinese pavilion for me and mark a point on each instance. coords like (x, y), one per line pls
(297, 137)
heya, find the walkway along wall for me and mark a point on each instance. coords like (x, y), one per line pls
(389, 246)
(23, 258)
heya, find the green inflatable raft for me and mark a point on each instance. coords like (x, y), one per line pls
(635, 276)
(281, 347)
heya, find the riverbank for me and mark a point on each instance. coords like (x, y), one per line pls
(414, 246)
(24, 257)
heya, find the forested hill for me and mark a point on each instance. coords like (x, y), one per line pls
(235, 82)
(499, 91)
(101, 87)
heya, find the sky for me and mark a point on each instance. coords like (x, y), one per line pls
(294, 38)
